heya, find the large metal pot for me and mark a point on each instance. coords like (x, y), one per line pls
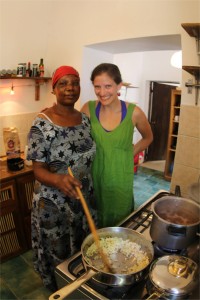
(172, 277)
(175, 222)
(111, 279)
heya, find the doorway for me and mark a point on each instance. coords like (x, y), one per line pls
(159, 116)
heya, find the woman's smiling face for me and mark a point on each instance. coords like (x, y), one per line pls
(105, 88)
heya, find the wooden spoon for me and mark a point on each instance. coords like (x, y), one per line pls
(92, 226)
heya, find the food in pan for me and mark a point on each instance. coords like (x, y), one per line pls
(125, 256)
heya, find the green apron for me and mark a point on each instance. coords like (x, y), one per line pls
(113, 168)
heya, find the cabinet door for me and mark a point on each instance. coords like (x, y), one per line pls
(12, 239)
(159, 117)
(25, 188)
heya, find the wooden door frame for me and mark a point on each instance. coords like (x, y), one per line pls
(151, 82)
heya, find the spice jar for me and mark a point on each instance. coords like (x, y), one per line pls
(20, 70)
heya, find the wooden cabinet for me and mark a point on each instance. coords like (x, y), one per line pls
(25, 187)
(15, 208)
(173, 132)
(12, 237)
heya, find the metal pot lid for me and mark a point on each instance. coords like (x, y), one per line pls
(174, 274)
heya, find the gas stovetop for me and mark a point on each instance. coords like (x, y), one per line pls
(72, 268)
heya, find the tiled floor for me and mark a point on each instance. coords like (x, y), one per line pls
(146, 183)
(20, 281)
(18, 278)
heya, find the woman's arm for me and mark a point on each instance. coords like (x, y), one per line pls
(63, 182)
(141, 122)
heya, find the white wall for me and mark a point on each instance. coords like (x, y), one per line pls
(140, 68)
(131, 68)
(137, 68)
(91, 58)
(23, 101)
(59, 30)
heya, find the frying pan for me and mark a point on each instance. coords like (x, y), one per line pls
(94, 270)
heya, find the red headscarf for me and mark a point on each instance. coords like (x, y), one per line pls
(62, 71)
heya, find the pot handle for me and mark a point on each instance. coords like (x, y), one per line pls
(177, 191)
(154, 296)
(176, 231)
(71, 287)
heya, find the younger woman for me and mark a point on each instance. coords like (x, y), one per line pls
(113, 123)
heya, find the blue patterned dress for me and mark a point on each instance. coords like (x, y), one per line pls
(59, 224)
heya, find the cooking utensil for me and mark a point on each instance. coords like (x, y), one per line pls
(106, 278)
(172, 277)
(175, 222)
(92, 225)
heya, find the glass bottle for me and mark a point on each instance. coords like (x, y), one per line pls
(28, 70)
(41, 68)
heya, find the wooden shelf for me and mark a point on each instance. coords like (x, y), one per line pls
(193, 29)
(38, 81)
(194, 70)
(129, 85)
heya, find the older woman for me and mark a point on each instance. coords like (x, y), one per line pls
(60, 138)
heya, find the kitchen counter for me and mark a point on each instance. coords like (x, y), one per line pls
(16, 193)
(6, 174)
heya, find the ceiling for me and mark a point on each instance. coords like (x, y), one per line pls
(154, 43)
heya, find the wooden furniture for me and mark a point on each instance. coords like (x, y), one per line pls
(173, 132)
(15, 211)
(193, 29)
(25, 187)
(38, 82)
